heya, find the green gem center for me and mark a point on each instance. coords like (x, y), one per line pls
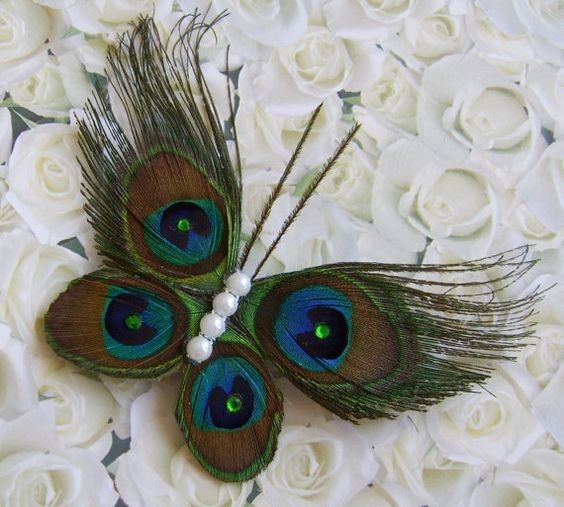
(234, 403)
(133, 321)
(322, 331)
(183, 225)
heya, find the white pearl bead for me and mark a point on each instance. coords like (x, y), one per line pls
(212, 325)
(239, 284)
(199, 348)
(225, 304)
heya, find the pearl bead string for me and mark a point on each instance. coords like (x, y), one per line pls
(212, 325)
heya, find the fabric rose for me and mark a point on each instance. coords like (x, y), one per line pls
(538, 212)
(466, 108)
(543, 23)
(31, 276)
(273, 23)
(423, 40)
(268, 140)
(18, 392)
(349, 183)
(159, 469)
(495, 35)
(317, 465)
(5, 137)
(24, 29)
(58, 86)
(298, 77)
(373, 19)
(44, 179)
(491, 427)
(544, 356)
(536, 478)
(84, 408)
(410, 460)
(547, 83)
(393, 96)
(417, 195)
(35, 469)
(109, 16)
(323, 233)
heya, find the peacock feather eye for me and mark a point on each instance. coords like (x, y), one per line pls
(184, 233)
(318, 332)
(136, 322)
(226, 395)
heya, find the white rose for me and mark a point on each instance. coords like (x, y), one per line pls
(158, 469)
(18, 392)
(410, 459)
(35, 469)
(531, 229)
(466, 107)
(547, 82)
(298, 77)
(24, 28)
(539, 211)
(44, 179)
(268, 140)
(108, 15)
(124, 392)
(270, 22)
(548, 406)
(300, 409)
(490, 427)
(84, 408)
(257, 186)
(393, 96)
(5, 136)
(489, 32)
(326, 464)
(349, 183)
(536, 480)
(8, 216)
(373, 19)
(323, 233)
(31, 275)
(434, 36)
(544, 356)
(59, 85)
(425, 39)
(417, 195)
(543, 22)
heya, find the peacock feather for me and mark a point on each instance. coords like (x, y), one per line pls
(164, 198)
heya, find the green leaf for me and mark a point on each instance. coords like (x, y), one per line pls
(74, 245)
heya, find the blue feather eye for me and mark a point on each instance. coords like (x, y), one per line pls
(228, 394)
(135, 323)
(186, 232)
(313, 327)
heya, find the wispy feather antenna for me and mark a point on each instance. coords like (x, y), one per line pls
(267, 208)
(306, 195)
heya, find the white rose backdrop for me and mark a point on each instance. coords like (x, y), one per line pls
(460, 155)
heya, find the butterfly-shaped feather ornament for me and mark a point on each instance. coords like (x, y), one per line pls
(361, 339)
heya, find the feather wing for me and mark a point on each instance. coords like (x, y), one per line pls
(113, 323)
(230, 411)
(368, 340)
(163, 196)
